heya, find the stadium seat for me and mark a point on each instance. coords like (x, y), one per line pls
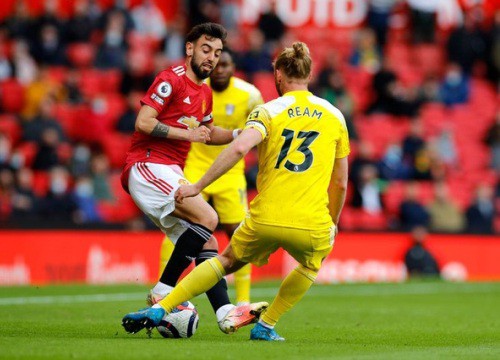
(122, 208)
(116, 145)
(28, 151)
(11, 96)
(264, 81)
(41, 183)
(10, 127)
(81, 54)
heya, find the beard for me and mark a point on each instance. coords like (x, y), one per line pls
(278, 88)
(197, 69)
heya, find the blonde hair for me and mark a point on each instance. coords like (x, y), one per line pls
(295, 62)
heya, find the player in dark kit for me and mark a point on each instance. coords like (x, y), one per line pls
(176, 111)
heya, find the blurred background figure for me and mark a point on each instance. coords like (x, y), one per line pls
(445, 215)
(481, 213)
(418, 260)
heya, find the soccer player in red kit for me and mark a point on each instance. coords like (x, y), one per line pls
(177, 110)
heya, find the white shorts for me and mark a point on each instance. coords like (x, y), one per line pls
(152, 187)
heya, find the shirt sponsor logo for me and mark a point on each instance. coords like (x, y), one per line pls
(164, 89)
(158, 99)
(230, 109)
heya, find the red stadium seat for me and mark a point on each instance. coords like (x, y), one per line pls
(28, 151)
(81, 54)
(10, 127)
(115, 146)
(122, 208)
(264, 81)
(11, 96)
(41, 183)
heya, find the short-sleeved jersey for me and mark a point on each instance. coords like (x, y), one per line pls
(302, 136)
(180, 103)
(230, 110)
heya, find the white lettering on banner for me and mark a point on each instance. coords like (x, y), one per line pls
(102, 268)
(454, 271)
(337, 13)
(17, 273)
(350, 270)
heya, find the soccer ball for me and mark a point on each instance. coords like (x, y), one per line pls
(182, 322)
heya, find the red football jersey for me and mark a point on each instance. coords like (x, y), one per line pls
(180, 103)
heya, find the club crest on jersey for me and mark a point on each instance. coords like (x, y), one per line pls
(164, 89)
(230, 109)
(183, 182)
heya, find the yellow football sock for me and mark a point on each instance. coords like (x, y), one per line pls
(202, 278)
(167, 247)
(242, 280)
(291, 291)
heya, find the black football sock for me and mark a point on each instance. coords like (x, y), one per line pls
(217, 295)
(186, 250)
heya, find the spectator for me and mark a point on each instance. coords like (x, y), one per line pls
(336, 93)
(119, 9)
(81, 25)
(445, 216)
(50, 18)
(423, 19)
(148, 20)
(58, 206)
(80, 161)
(37, 91)
(126, 122)
(413, 142)
(428, 91)
(364, 157)
(33, 128)
(366, 55)
(47, 156)
(392, 166)
(173, 45)
(136, 77)
(7, 187)
(418, 260)
(390, 96)
(411, 211)
(455, 87)
(6, 66)
(5, 151)
(367, 193)
(19, 24)
(378, 19)
(113, 49)
(86, 205)
(493, 50)
(24, 200)
(492, 139)
(25, 67)
(201, 11)
(445, 147)
(71, 88)
(48, 48)
(272, 27)
(481, 213)
(99, 165)
(257, 57)
(467, 44)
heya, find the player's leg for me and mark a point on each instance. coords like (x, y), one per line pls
(230, 203)
(167, 247)
(189, 225)
(309, 248)
(202, 278)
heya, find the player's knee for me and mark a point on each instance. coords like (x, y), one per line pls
(212, 244)
(210, 219)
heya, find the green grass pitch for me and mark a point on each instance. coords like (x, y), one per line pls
(415, 320)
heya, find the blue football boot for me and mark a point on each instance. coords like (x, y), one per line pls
(260, 332)
(146, 318)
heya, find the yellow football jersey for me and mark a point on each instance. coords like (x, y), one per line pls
(302, 136)
(230, 110)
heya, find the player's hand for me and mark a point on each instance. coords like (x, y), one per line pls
(185, 191)
(200, 134)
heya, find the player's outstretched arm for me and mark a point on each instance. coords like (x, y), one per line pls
(148, 124)
(225, 161)
(338, 188)
(220, 136)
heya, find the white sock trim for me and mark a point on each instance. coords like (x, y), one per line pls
(223, 310)
(162, 289)
(266, 325)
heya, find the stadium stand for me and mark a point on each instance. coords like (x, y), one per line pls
(454, 149)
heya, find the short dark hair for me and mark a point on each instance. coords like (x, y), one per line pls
(209, 29)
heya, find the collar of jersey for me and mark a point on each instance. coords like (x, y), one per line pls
(298, 92)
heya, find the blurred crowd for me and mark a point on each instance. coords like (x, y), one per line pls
(421, 106)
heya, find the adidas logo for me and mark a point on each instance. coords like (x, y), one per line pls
(190, 258)
(187, 100)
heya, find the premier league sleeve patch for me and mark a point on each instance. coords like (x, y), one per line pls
(164, 89)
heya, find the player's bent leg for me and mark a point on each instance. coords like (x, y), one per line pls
(292, 289)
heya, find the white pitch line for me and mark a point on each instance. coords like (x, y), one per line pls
(317, 291)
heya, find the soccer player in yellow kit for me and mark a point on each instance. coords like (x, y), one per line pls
(233, 100)
(303, 147)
